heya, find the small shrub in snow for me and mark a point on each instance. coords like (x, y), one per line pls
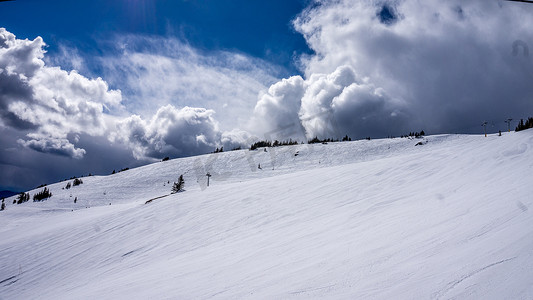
(77, 182)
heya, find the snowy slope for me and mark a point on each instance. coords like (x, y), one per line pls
(368, 219)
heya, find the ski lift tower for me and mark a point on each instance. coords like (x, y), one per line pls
(208, 176)
(508, 121)
(484, 124)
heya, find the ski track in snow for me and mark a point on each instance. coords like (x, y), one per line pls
(378, 219)
(453, 284)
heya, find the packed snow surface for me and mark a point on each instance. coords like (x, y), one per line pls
(379, 219)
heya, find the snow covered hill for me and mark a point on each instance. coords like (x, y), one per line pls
(380, 219)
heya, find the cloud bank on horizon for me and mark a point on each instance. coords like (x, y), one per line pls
(380, 68)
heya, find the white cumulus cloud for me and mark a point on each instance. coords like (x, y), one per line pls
(170, 132)
(385, 68)
(276, 112)
(48, 101)
(155, 71)
(438, 65)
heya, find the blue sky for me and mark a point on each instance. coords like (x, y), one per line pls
(96, 86)
(261, 29)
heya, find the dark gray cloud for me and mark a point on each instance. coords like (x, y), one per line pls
(48, 144)
(23, 168)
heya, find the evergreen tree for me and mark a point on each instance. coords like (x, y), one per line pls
(522, 126)
(20, 198)
(260, 144)
(23, 197)
(314, 140)
(42, 195)
(178, 186)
